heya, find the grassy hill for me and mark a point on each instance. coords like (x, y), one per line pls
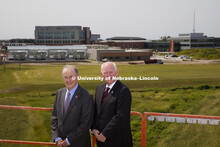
(182, 89)
(201, 53)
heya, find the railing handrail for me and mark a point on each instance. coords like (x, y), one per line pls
(26, 108)
(181, 115)
(27, 142)
(143, 125)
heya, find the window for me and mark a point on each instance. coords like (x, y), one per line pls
(72, 35)
(117, 58)
(66, 35)
(57, 42)
(57, 35)
(81, 35)
(40, 35)
(127, 58)
(66, 41)
(40, 41)
(49, 35)
(48, 41)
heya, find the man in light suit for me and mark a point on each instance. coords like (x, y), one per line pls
(72, 112)
(111, 122)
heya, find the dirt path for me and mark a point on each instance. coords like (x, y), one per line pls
(17, 78)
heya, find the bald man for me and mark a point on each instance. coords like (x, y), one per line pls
(111, 123)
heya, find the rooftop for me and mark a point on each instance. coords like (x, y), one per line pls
(125, 38)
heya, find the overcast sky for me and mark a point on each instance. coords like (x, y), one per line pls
(149, 19)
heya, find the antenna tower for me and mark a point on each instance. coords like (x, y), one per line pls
(194, 21)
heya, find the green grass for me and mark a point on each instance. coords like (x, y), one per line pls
(189, 89)
(201, 53)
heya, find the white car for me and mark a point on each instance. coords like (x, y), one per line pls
(183, 57)
(104, 60)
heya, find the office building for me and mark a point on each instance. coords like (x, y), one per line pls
(17, 42)
(119, 54)
(196, 40)
(125, 42)
(60, 35)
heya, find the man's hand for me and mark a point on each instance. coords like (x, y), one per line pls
(64, 143)
(59, 143)
(95, 132)
(101, 137)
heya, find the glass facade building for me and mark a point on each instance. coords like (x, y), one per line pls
(62, 35)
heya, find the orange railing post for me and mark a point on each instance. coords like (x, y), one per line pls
(143, 128)
(144, 131)
(93, 141)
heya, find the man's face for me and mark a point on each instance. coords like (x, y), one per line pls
(109, 74)
(70, 79)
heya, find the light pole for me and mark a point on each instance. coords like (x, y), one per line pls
(4, 56)
(4, 51)
(4, 63)
(19, 62)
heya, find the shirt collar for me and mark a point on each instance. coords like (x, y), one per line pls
(73, 90)
(111, 85)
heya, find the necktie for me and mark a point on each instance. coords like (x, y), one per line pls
(67, 102)
(105, 94)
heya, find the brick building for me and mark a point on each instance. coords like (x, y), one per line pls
(119, 54)
(125, 42)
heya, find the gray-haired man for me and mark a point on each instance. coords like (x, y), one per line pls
(72, 112)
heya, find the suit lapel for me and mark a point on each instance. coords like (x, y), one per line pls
(73, 101)
(62, 100)
(110, 93)
(99, 97)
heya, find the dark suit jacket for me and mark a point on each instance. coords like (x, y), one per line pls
(112, 118)
(76, 123)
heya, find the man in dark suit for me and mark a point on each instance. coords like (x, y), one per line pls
(72, 112)
(111, 122)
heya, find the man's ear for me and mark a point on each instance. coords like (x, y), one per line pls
(117, 72)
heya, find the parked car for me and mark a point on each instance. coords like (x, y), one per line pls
(151, 61)
(183, 57)
(173, 56)
(169, 55)
(104, 59)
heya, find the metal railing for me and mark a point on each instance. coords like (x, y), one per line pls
(150, 116)
(143, 127)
